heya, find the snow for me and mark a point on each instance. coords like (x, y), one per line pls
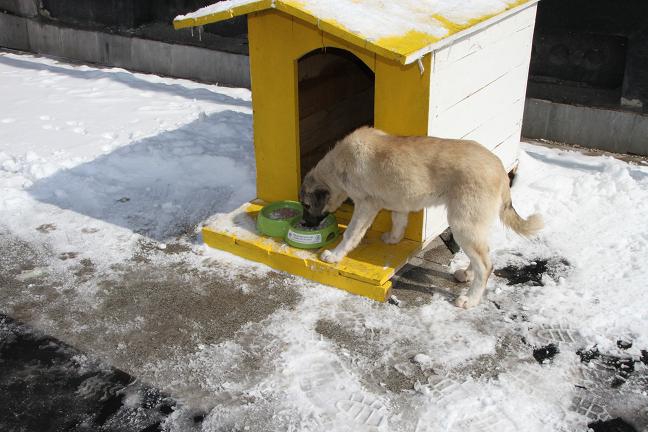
(172, 153)
(97, 161)
(377, 19)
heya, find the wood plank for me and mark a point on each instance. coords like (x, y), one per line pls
(509, 150)
(336, 81)
(436, 221)
(365, 271)
(477, 41)
(503, 122)
(464, 117)
(468, 75)
(382, 222)
(321, 130)
(334, 121)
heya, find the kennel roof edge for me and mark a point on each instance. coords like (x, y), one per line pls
(403, 31)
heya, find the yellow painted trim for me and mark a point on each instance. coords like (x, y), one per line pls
(277, 41)
(406, 44)
(273, 69)
(402, 106)
(382, 223)
(366, 271)
(397, 47)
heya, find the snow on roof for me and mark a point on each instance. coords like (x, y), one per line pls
(402, 30)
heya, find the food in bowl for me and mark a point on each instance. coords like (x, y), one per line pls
(275, 219)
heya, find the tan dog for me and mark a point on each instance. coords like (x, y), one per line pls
(405, 174)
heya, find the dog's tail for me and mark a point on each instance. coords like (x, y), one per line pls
(512, 219)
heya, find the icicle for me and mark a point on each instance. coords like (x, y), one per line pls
(421, 67)
(200, 32)
(192, 35)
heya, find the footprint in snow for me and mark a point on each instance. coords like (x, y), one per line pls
(46, 228)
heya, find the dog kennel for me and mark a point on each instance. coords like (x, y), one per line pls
(320, 71)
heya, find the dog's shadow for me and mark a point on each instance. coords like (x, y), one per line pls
(417, 279)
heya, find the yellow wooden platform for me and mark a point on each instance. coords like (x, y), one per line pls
(366, 271)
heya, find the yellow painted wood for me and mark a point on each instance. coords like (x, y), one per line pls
(406, 44)
(276, 118)
(382, 223)
(402, 108)
(276, 42)
(366, 271)
(399, 47)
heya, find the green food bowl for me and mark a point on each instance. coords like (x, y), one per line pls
(275, 219)
(303, 237)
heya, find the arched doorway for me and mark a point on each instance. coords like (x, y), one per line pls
(336, 96)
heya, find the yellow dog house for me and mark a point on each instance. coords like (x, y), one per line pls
(321, 68)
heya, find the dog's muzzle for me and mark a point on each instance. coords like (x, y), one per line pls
(313, 220)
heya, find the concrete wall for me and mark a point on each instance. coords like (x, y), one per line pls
(588, 82)
(96, 31)
(599, 48)
(611, 130)
(131, 53)
(27, 8)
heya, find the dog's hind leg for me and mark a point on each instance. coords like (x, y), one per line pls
(363, 216)
(480, 264)
(465, 275)
(399, 223)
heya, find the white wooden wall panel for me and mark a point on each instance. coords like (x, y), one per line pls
(436, 221)
(498, 125)
(477, 92)
(454, 83)
(477, 41)
(476, 110)
(508, 151)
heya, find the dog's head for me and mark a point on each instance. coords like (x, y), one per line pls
(314, 197)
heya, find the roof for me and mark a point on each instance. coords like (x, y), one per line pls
(402, 30)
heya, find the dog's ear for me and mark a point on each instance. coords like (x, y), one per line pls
(320, 198)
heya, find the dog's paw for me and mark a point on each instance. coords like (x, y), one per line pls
(330, 257)
(389, 238)
(466, 302)
(463, 275)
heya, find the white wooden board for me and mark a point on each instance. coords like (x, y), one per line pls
(467, 76)
(477, 41)
(478, 91)
(471, 113)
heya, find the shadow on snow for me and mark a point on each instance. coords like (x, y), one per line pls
(162, 186)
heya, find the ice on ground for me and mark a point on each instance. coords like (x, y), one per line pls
(105, 176)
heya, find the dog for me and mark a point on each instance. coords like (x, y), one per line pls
(403, 174)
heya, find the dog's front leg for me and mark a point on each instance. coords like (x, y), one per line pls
(363, 216)
(399, 224)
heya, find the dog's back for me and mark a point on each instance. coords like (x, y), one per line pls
(413, 172)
